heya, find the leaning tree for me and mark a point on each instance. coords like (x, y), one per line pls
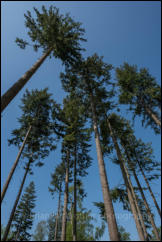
(36, 109)
(57, 35)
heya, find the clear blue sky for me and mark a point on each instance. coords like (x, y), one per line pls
(120, 31)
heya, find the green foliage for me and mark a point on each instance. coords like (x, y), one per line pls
(152, 235)
(24, 215)
(51, 29)
(36, 111)
(124, 236)
(10, 234)
(140, 91)
(40, 231)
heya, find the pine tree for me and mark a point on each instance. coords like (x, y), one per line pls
(40, 141)
(36, 120)
(24, 215)
(141, 92)
(56, 35)
(88, 78)
(124, 133)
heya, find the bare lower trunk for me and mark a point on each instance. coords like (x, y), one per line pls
(5, 187)
(12, 91)
(137, 206)
(64, 217)
(153, 116)
(110, 215)
(75, 203)
(15, 205)
(127, 184)
(150, 190)
(58, 214)
(147, 207)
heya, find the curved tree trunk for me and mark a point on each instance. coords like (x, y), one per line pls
(75, 202)
(134, 207)
(110, 215)
(12, 91)
(15, 204)
(64, 217)
(149, 188)
(58, 214)
(5, 187)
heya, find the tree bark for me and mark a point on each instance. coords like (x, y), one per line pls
(64, 217)
(58, 214)
(75, 202)
(15, 204)
(152, 115)
(127, 184)
(110, 215)
(143, 197)
(147, 207)
(12, 91)
(149, 188)
(5, 187)
(136, 203)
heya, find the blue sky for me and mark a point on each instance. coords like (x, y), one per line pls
(120, 31)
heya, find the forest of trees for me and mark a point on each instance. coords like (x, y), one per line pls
(88, 110)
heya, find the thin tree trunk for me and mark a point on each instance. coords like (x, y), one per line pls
(110, 215)
(12, 91)
(152, 115)
(150, 190)
(5, 187)
(147, 207)
(64, 217)
(15, 204)
(143, 197)
(58, 214)
(127, 184)
(136, 203)
(75, 202)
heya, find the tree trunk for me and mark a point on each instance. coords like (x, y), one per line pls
(143, 197)
(127, 184)
(110, 216)
(137, 206)
(14, 166)
(64, 217)
(12, 91)
(149, 188)
(15, 204)
(75, 202)
(153, 116)
(58, 214)
(147, 207)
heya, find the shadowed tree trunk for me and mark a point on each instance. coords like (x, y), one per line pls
(64, 217)
(58, 214)
(75, 202)
(15, 89)
(149, 188)
(15, 204)
(110, 215)
(5, 187)
(127, 184)
(153, 116)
